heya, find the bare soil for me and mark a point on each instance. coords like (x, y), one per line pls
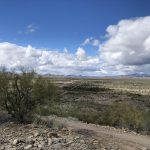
(125, 140)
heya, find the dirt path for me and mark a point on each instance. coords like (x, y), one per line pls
(126, 141)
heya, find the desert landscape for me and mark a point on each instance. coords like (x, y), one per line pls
(74, 74)
(91, 113)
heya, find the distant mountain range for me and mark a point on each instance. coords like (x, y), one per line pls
(117, 76)
(138, 75)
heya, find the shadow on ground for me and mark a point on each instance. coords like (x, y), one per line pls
(4, 117)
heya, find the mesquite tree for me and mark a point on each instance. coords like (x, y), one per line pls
(21, 93)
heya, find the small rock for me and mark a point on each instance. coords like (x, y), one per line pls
(13, 148)
(82, 141)
(57, 146)
(95, 142)
(35, 144)
(52, 134)
(36, 134)
(144, 148)
(40, 138)
(69, 143)
(2, 148)
(40, 146)
(77, 137)
(30, 137)
(55, 140)
(45, 131)
(20, 134)
(30, 141)
(64, 129)
(28, 147)
(34, 139)
(50, 141)
(15, 142)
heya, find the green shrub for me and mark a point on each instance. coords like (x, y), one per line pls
(85, 115)
(146, 122)
(21, 94)
(123, 115)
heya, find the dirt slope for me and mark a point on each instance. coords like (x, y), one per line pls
(125, 140)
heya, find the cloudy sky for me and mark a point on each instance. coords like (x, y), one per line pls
(76, 37)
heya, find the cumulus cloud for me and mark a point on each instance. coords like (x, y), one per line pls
(128, 42)
(81, 54)
(127, 45)
(65, 50)
(91, 41)
(126, 50)
(48, 61)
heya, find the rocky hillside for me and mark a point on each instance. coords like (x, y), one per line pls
(53, 133)
(37, 137)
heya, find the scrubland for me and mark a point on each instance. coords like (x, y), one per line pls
(122, 103)
(114, 112)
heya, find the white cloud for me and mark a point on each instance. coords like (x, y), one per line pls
(128, 45)
(80, 53)
(65, 50)
(126, 50)
(48, 61)
(31, 28)
(128, 42)
(91, 41)
(86, 41)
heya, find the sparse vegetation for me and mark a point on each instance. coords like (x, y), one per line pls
(123, 115)
(83, 86)
(92, 101)
(21, 93)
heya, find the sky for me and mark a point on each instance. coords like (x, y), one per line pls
(76, 37)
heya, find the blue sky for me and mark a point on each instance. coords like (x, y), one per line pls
(64, 23)
(59, 24)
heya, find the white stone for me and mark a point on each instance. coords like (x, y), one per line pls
(2, 148)
(144, 148)
(28, 147)
(50, 141)
(40, 145)
(15, 142)
(36, 134)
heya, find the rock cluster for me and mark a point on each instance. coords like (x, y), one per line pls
(30, 137)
